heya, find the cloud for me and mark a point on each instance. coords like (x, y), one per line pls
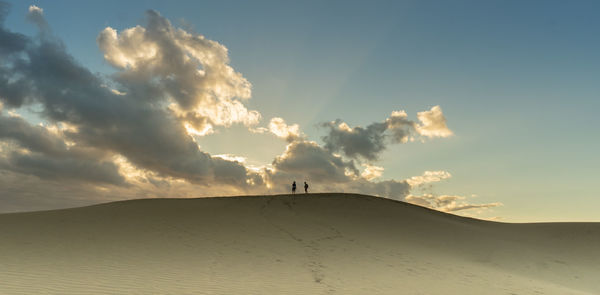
(34, 138)
(428, 177)
(185, 68)
(371, 172)
(399, 126)
(40, 152)
(63, 168)
(368, 142)
(135, 122)
(355, 142)
(326, 171)
(36, 16)
(308, 160)
(447, 203)
(12, 93)
(392, 189)
(433, 123)
(278, 127)
(27, 192)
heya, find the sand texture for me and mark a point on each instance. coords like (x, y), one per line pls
(307, 244)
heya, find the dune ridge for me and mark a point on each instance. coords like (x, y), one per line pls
(284, 244)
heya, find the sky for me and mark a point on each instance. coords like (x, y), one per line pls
(478, 108)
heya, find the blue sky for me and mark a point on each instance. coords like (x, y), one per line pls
(517, 82)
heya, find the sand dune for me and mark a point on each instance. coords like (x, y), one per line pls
(308, 244)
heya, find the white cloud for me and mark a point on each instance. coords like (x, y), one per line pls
(428, 177)
(206, 129)
(35, 10)
(161, 62)
(433, 123)
(278, 127)
(371, 172)
(232, 158)
(227, 112)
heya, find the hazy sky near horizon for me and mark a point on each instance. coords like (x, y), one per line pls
(479, 108)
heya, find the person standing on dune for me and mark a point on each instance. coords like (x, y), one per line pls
(294, 187)
(305, 187)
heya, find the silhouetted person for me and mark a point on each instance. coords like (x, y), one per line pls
(305, 187)
(294, 187)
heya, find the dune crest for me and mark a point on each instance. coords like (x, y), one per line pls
(303, 244)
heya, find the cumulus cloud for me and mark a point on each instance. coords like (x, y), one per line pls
(368, 142)
(433, 123)
(371, 172)
(40, 152)
(185, 68)
(64, 168)
(308, 161)
(447, 203)
(158, 65)
(399, 126)
(278, 127)
(355, 142)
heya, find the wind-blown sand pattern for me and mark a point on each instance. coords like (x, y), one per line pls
(305, 244)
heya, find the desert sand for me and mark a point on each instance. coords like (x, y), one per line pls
(303, 244)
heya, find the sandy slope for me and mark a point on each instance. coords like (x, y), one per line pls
(315, 244)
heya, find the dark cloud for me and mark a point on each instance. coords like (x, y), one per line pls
(64, 168)
(354, 142)
(308, 160)
(46, 155)
(367, 142)
(399, 127)
(34, 138)
(12, 92)
(24, 192)
(136, 124)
